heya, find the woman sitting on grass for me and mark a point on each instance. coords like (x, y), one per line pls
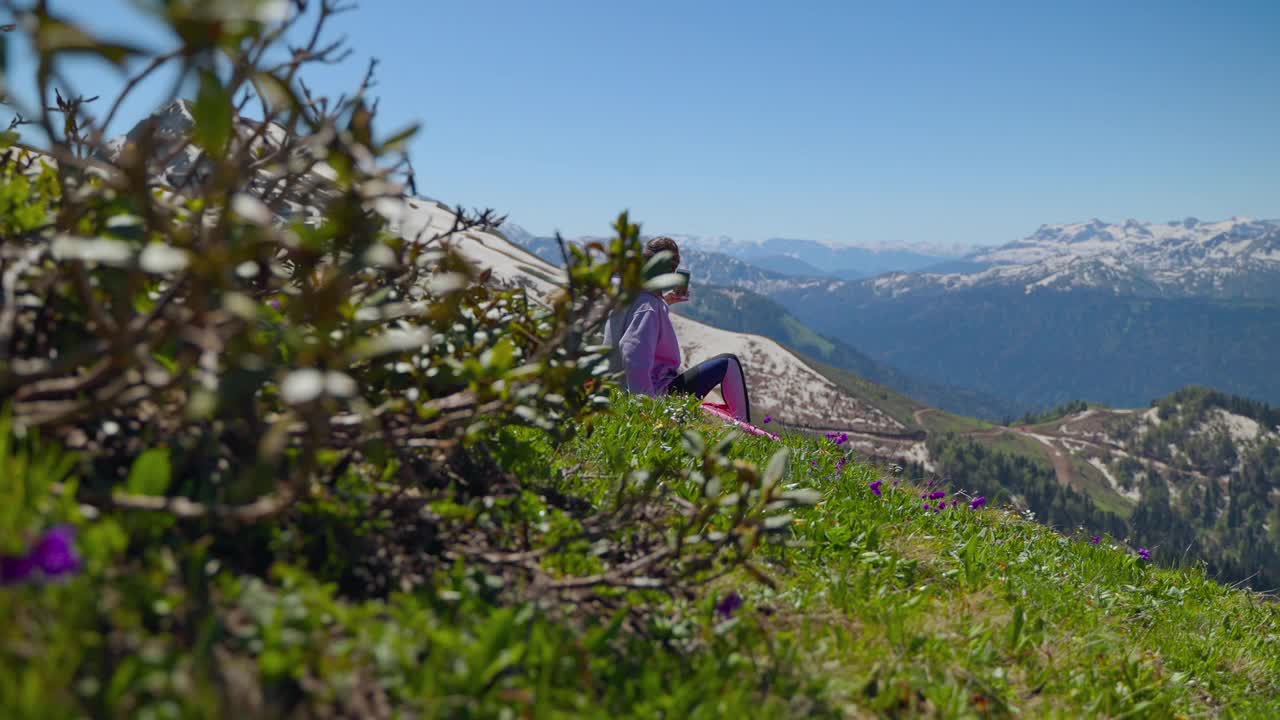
(647, 352)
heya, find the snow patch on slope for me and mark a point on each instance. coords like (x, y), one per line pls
(1100, 466)
(1240, 428)
(780, 381)
(425, 220)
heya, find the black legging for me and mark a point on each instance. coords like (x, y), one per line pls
(723, 370)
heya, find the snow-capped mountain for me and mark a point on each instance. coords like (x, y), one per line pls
(817, 258)
(707, 268)
(1234, 258)
(800, 247)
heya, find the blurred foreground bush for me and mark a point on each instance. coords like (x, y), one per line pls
(280, 428)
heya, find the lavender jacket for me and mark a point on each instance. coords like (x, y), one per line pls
(645, 347)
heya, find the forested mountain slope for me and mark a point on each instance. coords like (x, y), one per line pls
(1046, 347)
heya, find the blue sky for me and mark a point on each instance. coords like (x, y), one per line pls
(896, 122)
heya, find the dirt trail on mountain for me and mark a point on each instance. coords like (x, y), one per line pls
(1116, 449)
(1059, 455)
(1061, 461)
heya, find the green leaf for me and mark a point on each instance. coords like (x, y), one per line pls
(693, 443)
(54, 35)
(777, 522)
(663, 263)
(213, 115)
(803, 496)
(598, 638)
(662, 283)
(150, 474)
(397, 140)
(278, 95)
(777, 467)
(500, 357)
(1015, 631)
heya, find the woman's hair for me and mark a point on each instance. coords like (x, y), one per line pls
(660, 244)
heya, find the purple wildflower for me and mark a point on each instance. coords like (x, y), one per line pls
(15, 569)
(927, 506)
(1145, 554)
(813, 463)
(875, 487)
(1095, 540)
(841, 463)
(729, 604)
(977, 502)
(56, 551)
(54, 555)
(768, 419)
(942, 505)
(937, 494)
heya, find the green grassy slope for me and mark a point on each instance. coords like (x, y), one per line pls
(964, 613)
(872, 606)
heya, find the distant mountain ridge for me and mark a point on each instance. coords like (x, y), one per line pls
(820, 249)
(1237, 258)
(793, 257)
(707, 267)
